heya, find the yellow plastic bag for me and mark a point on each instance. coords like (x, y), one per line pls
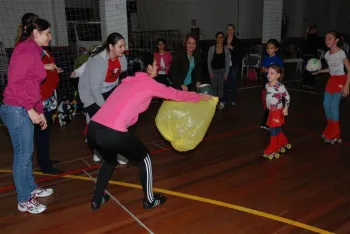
(185, 124)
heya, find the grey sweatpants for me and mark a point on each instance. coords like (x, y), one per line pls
(218, 82)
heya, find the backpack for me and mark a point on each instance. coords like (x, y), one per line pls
(251, 73)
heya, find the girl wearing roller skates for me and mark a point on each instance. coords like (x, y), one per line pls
(268, 60)
(337, 86)
(275, 92)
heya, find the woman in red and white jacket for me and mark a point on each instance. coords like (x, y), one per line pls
(49, 99)
(163, 59)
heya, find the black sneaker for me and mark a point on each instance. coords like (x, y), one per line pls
(158, 200)
(95, 205)
(264, 126)
(52, 171)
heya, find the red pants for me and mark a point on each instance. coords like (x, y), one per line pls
(332, 131)
(336, 84)
(277, 137)
(275, 119)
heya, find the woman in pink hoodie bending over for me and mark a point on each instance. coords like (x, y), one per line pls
(108, 128)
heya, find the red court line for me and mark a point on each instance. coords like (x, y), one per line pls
(154, 152)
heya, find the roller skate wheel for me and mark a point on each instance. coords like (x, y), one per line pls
(339, 140)
(288, 146)
(283, 150)
(277, 155)
(270, 156)
(332, 141)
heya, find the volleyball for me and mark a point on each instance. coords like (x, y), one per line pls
(313, 65)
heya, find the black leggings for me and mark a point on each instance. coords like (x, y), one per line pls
(109, 143)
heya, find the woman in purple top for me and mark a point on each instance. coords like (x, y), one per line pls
(22, 108)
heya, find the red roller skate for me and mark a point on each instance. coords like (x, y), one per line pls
(326, 130)
(272, 151)
(333, 134)
(283, 142)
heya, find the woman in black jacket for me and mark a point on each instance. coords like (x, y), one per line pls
(186, 69)
(311, 44)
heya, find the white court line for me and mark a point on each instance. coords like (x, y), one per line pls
(118, 202)
(158, 145)
(259, 86)
(309, 92)
(306, 91)
(46, 186)
(60, 163)
(73, 160)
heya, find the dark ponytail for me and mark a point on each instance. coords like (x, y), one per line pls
(138, 64)
(112, 39)
(337, 35)
(26, 20)
(38, 24)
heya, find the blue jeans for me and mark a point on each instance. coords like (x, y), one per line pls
(21, 130)
(231, 83)
(275, 131)
(331, 105)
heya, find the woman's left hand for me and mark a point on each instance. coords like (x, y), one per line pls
(198, 84)
(43, 123)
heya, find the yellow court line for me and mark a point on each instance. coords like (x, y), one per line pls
(204, 200)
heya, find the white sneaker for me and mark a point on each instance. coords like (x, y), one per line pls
(41, 192)
(31, 206)
(122, 160)
(221, 105)
(96, 158)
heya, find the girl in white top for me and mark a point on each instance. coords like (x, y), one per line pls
(337, 86)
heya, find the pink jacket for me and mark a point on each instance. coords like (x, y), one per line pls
(166, 57)
(132, 97)
(25, 74)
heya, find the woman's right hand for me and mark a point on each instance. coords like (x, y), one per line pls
(205, 97)
(34, 116)
(73, 74)
(211, 76)
(184, 87)
(50, 67)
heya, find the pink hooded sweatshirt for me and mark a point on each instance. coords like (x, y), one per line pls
(132, 97)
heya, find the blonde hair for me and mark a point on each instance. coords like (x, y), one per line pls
(26, 20)
(19, 33)
(277, 69)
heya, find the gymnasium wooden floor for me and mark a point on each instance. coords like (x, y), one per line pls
(224, 186)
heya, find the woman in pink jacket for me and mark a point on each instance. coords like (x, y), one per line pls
(163, 59)
(23, 108)
(108, 128)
